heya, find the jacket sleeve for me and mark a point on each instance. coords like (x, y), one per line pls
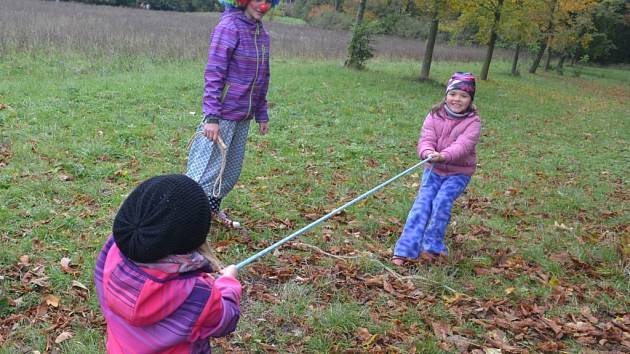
(428, 137)
(465, 143)
(223, 310)
(223, 41)
(261, 110)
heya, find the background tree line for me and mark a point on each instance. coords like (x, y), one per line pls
(166, 5)
(589, 30)
(568, 30)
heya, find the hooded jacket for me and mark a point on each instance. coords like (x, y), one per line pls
(150, 311)
(455, 138)
(237, 73)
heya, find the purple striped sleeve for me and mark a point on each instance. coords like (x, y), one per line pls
(223, 41)
(229, 291)
(261, 110)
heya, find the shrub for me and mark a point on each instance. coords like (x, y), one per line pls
(404, 26)
(579, 69)
(332, 20)
(282, 9)
(360, 48)
(386, 23)
(410, 27)
(319, 10)
(301, 9)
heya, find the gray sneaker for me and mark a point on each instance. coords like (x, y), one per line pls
(225, 220)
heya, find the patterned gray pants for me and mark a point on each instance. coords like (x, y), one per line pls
(204, 159)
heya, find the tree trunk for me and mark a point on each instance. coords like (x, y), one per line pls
(353, 61)
(546, 40)
(360, 11)
(493, 39)
(560, 68)
(407, 8)
(428, 50)
(538, 58)
(338, 4)
(576, 56)
(515, 61)
(548, 60)
(486, 62)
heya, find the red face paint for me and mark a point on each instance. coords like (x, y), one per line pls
(264, 7)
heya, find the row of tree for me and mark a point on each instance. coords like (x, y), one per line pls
(167, 5)
(575, 30)
(579, 30)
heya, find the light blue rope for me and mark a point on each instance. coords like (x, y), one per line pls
(424, 181)
(327, 216)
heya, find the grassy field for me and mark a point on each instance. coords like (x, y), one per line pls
(539, 242)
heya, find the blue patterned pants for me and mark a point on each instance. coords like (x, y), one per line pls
(204, 159)
(429, 217)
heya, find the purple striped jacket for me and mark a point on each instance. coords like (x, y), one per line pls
(237, 73)
(149, 311)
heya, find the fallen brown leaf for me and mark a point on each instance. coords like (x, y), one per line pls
(586, 340)
(388, 287)
(550, 347)
(586, 312)
(52, 300)
(65, 265)
(66, 177)
(42, 282)
(441, 329)
(24, 260)
(63, 337)
(374, 281)
(460, 342)
(498, 338)
(580, 326)
(78, 284)
(452, 299)
(363, 334)
(444, 346)
(491, 351)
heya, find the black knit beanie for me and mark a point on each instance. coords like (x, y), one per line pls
(164, 215)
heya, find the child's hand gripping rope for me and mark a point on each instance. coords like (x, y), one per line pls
(436, 156)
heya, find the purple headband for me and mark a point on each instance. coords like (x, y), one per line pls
(462, 81)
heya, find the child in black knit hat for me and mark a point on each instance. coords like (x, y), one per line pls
(153, 281)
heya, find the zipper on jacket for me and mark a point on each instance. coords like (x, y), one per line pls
(225, 91)
(251, 92)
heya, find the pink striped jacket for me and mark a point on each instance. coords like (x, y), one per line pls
(149, 311)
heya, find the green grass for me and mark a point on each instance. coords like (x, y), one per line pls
(552, 184)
